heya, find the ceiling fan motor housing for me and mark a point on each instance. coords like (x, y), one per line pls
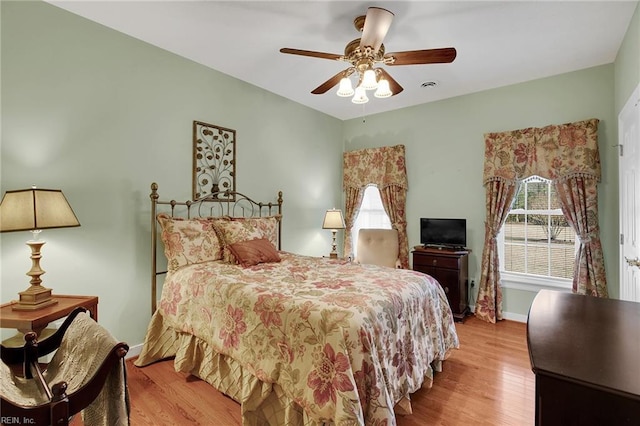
(353, 52)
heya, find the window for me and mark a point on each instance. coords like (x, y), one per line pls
(536, 244)
(372, 215)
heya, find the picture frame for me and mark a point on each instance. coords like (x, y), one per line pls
(214, 161)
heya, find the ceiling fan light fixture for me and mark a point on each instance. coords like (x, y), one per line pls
(369, 80)
(366, 52)
(383, 90)
(346, 89)
(360, 96)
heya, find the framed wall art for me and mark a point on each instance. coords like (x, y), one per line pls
(214, 161)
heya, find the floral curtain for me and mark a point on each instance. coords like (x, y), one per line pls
(552, 152)
(353, 201)
(500, 194)
(394, 203)
(568, 155)
(579, 201)
(384, 167)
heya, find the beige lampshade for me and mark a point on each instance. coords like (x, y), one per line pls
(333, 219)
(35, 208)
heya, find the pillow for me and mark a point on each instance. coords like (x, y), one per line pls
(189, 241)
(253, 252)
(235, 230)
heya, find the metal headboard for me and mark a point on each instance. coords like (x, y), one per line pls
(223, 203)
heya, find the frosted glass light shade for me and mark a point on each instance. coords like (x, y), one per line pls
(346, 89)
(383, 89)
(360, 96)
(369, 80)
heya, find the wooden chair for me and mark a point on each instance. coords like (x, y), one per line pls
(52, 405)
(378, 247)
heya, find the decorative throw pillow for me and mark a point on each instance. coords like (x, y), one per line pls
(253, 252)
(235, 230)
(189, 241)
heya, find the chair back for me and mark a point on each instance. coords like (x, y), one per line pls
(378, 247)
(87, 373)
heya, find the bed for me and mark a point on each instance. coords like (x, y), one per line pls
(296, 340)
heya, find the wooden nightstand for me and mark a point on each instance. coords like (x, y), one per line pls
(450, 268)
(25, 321)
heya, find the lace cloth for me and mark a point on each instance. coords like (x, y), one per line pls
(84, 347)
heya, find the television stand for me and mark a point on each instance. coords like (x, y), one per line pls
(434, 246)
(442, 247)
(450, 268)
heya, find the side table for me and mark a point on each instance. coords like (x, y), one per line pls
(36, 321)
(451, 269)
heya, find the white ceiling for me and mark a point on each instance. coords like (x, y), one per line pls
(498, 43)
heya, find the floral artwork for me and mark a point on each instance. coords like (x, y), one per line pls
(214, 161)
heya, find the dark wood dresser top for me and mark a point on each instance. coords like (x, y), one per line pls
(586, 340)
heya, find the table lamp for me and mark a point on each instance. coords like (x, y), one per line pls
(333, 220)
(33, 210)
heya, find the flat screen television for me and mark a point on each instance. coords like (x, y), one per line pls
(443, 232)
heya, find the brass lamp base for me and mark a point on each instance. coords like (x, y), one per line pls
(34, 298)
(334, 253)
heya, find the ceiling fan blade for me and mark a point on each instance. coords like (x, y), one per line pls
(394, 86)
(311, 53)
(332, 81)
(428, 56)
(376, 25)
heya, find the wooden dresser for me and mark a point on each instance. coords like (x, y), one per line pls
(450, 268)
(585, 353)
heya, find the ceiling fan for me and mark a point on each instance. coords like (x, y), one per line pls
(365, 52)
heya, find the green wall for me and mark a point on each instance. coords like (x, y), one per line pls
(445, 153)
(445, 148)
(101, 115)
(627, 64)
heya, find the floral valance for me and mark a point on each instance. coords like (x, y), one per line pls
(384, 166)
(553, 152)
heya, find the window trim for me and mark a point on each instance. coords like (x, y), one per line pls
(531, 282)
(528, 282)
(361, 211)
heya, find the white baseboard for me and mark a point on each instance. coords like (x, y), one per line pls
(134, 351)
(514, 317)
(507, 315)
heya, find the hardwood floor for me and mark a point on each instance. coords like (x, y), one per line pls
(488, 381)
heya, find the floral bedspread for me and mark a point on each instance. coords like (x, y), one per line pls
(344, 341)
